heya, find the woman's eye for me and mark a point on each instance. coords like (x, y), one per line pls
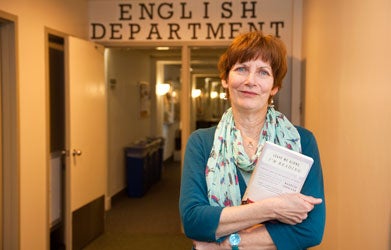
(240, 69)
(264, 73)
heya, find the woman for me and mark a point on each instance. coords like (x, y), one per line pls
(219, 161)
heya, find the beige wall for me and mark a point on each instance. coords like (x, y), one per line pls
(347, 53)
(33, 16)
(128, 68)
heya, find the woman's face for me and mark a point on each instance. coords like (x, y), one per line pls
(250, 84)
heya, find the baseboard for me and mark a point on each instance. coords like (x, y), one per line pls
(118, 195)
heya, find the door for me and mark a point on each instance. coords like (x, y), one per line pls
(87, 119)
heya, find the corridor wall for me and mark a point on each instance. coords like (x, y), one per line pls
(33, 20)
(347, 105)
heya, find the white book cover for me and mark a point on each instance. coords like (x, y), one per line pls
(279, 170)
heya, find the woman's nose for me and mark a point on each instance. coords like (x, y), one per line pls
(250, 78)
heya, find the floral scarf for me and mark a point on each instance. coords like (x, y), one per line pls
(227, 153)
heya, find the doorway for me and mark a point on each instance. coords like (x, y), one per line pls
(125, 69)
(57, 140)
(76, 92)
(208, 102)
(9, 163)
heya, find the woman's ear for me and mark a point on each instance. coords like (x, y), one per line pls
(274, 91)
(224, 84)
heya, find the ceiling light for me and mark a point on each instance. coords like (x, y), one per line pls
(162, 88)
(162, 48)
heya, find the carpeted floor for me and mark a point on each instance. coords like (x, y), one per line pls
(146, 223)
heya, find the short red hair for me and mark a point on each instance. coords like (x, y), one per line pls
(254, 45)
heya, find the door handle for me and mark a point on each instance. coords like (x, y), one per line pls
(76, 152)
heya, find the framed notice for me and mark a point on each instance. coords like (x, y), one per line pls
(145, 99)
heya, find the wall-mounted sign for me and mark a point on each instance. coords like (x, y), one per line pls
(186, 20)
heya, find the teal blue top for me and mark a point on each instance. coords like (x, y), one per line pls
(200, 220)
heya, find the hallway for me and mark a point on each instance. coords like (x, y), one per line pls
(146, 223)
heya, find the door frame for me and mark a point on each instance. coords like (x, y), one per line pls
(65, 152)
(9, 134)
(68, 239)
(66, 207)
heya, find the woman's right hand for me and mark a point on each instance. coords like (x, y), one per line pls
(287, 208)
(292, 208)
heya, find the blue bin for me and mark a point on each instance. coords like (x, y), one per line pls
(143, 165)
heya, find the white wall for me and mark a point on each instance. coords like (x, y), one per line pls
(128, 68)
(32, 19)
(347, 53)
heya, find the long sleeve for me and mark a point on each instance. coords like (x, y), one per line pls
(199, 219)
(309, 232)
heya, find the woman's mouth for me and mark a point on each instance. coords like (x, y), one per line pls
(248, 93)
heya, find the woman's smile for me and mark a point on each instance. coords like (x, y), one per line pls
(248, 93)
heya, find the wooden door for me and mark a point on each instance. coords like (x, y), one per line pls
(87, 119)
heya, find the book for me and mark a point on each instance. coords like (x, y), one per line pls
(279, 170)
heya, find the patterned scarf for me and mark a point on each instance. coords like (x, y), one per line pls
(228, 153)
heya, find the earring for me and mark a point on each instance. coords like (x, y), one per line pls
(271, 103)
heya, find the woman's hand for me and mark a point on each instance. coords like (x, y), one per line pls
(293, 208)
(255, 237)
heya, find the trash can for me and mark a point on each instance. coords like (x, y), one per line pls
(143, 165)
(157, 158)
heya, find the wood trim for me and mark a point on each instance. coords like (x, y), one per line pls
(10, 212)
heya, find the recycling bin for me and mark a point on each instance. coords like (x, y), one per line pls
(143, 160)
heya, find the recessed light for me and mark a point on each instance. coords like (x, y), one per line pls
(162, 48)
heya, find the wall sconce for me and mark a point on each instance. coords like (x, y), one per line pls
(162, 88)
(195, 93)
(223, 95)
(214, 94)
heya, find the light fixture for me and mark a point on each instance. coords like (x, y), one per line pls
(223, 95)
(162, 48)
(195, 93)
(162, 88)
(214, 94)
